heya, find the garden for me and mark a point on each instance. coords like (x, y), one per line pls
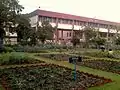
(95, 63)
(47, 77)
(52, 71)
(35, 62)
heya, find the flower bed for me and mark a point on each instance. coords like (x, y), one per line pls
(47, 77)
(111, 66)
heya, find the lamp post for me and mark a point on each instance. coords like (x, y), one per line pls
(74, 60)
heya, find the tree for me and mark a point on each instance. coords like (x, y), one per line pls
(117, 40)
(23, 29)
(2, 34)
(75, 40)
(117, 30)
(9, 9)
(45, 31)
(89, 33)
(97, 41)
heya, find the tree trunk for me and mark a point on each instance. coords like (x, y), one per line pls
(108, 37)
(1, 44)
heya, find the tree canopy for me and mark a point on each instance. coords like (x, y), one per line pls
(9, 9)
(45, 31)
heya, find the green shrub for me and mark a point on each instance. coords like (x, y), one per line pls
(14, 58)
(8, 49)
(100, 54)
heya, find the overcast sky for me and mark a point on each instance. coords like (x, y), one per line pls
(100, 9)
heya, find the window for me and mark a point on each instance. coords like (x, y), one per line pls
(74, 22)
(54, 20)
(63, 21)
(66, 21)
(82, 23)
(77, 23)
(67, 34)
(49, 19)
(70, 21)
(59, 20)
(44, 18)
(40, 18)
(70, 34)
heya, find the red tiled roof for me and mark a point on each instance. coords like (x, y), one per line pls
(71, 17)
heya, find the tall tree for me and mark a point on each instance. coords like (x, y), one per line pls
(23, 28)
(45, 31)
(9, 9)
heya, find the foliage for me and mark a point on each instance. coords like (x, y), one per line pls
(9, 9)
(59, 57)
(33, 38)
(112, 66)
(117, 41)
(8, 49)
(98, 41)
(49, 77)
(30, 49)
(100, 54)
(41, 48)
(15, 58)
(75, 40)
(89, 33)
(45, 31)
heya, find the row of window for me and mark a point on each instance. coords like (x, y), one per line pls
(76, 22)
(69, 34)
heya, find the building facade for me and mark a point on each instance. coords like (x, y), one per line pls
(68, 24)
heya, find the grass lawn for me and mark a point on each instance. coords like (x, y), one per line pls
(115, 85)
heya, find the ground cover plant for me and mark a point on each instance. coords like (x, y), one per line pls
(100, 54)
(47, 77)
(110, 66)
(95, 63)
(60, 57)
(17, 58)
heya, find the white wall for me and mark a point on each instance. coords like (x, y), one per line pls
(64, 26)
(11, 34)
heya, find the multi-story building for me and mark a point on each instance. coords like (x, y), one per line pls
(67, 24)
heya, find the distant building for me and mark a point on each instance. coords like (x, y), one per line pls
(67, 24)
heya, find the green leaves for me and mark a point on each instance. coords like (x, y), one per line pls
(48, 77)
(45, 31)
(16, 58)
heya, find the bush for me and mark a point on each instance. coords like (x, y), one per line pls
(39, 48)
(100, 54)
(8, 49)
(14, 58)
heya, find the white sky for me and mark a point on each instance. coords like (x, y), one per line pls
(100, 9)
